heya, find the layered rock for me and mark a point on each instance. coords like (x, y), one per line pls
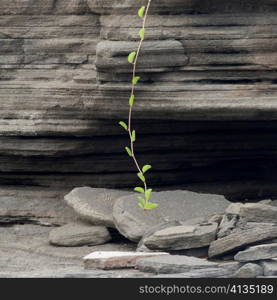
(206, 114)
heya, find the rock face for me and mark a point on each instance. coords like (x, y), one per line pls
(270, 267)
(182, 237)
(94, 205)
(133, 223)
(207, 115)
(79, 234)
(259, 252)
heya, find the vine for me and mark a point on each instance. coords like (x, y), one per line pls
(145, 192)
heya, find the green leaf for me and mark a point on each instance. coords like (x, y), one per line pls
(131, 100)
(148, 194)
(135, 79)
(146, 168)
(139, 189)
(150, 205)
(123, 124)
(131, 57)
(141, 177)
(128, 150)
(133, 137)
(141, 205)
(141, 12)
(142, 33)
(141, 200)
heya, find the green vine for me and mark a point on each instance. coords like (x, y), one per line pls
(145, 192)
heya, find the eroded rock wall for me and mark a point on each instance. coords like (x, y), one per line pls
(206, 110)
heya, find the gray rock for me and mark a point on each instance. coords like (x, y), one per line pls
(249, 270)
(227, 225)
(94, 205)
(270, 267)
(251, 234)
(173, 264)
(257, 253)
(255, 212)
(178, 205)
(79, 234)
(182, 237)
(201, 273)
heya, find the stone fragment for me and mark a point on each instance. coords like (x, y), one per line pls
(94, 204)
(107, 260)
(177, 205)
(255, 233)
(182, 237)
(258, 252)
(249, 270)
(79, 234)
(172, 264)
(270, 267)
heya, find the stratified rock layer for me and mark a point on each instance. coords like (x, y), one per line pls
(206, 109)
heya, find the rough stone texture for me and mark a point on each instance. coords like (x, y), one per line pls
(61, 63)
(79, 234)
(94, 205)
(270, 267)
(254, 212)
(249, 271)
(253, 233)
(182, 237)
(116, 260)
(178, 205)
(173, 264)
(259, 252)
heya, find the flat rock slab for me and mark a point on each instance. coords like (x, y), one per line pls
(270, 267)
(171, 264)
(79, 234)
(94, 204)
(240, 239)
(133, 223)
(182, 237)
(259, 252)
(107, 260)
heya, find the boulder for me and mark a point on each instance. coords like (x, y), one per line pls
(249, 270)
(182, 237)
(94, 205)
(252, 233)
(177, 205)
(258, 252)
(172, 264)
(79, 234)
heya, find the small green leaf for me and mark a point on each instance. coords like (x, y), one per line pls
(148, 194)
(141, 200)
(142, 33)
(146, 168)
(123, 124)
(141, 12)
(128, 150)
(141, 205)
(141, 177)
(131, 100)
(139, 189)
(133, 137)
(135, 79)
(150, 205)
(131, 57)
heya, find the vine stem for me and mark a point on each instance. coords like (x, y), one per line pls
(133, 92)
